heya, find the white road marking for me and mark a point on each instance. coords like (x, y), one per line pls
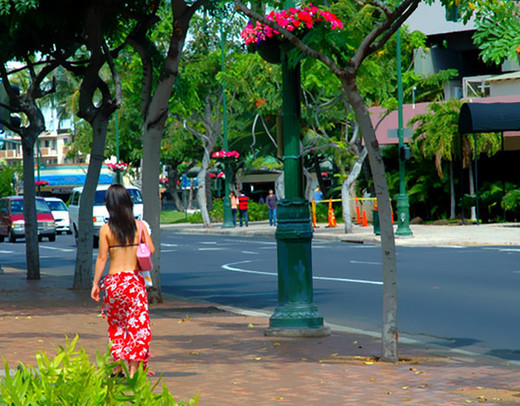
(164, 244)
(58, 248)
(365, 262)
(249, 252)
(210, 249)
(6, 252)
(209, 242)
(231, 268)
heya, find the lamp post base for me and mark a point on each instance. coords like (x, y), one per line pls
(403, 216)
(296, 314)
(297, 320)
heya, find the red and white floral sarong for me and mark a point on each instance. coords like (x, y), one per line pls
(126, 309)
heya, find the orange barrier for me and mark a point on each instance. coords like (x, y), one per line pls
(332, 217)
(364, 222)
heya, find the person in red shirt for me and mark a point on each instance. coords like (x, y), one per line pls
(243, 206)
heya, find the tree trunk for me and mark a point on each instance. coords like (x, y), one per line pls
(345, 190)
(83, 266)
(308, 184)
(202, 190)
(32, 252)
(152, 202)
(173, 175)
(390, 330)
(279, 185)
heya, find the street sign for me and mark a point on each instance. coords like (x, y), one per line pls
(392, 133)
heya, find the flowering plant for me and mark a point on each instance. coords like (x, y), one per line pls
(216, 175)
(298, 21)
(118, 167)
(225, 154)
(163, 180)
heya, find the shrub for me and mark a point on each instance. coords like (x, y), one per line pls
(256, 212)
(511, 201)
(70, 379)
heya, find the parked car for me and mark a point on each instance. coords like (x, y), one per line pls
(99, 211)
(12, 223)
(60, 212)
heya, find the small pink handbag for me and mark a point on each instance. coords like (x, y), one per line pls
(143, 252)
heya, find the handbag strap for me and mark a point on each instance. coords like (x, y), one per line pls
(140, 227)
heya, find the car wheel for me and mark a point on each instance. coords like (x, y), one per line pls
(40, 238)
(12, 236)
(69, 231)
(76, 236)
(2, 238)
(52, 237)
(96, 242)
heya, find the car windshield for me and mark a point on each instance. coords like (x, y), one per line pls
(17, 206)
(56, 205)
(41, 206)
(135, 194)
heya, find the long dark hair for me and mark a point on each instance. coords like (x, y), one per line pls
(121, 211)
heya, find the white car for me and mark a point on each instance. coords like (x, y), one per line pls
(60, 212)
(99, 211)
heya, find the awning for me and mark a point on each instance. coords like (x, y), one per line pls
(489, 117)
(76, 179)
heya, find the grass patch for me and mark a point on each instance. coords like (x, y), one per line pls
(173, 216)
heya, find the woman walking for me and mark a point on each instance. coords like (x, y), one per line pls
(234, 205)
(125, 302)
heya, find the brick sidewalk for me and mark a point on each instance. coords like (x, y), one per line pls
(225, 357)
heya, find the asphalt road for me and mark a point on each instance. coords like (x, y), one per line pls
(463, 298)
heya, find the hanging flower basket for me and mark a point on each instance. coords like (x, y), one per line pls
(299, 21)
(163, 181)
(118, 167)
(216, 175)
(225, 155)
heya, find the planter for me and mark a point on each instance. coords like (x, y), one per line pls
(270, 51)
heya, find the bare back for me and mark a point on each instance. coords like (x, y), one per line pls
(123, 257)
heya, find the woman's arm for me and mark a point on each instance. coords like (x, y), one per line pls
(101, 261)
(148, 239)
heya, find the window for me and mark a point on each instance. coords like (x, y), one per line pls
(75, 198)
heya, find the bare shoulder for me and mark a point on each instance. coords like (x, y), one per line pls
(104, 230)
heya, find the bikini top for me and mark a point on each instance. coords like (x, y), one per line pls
(122, 246)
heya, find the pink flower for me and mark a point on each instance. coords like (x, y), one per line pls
(295, 20)
(225, 154)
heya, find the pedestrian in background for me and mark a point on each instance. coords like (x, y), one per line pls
(270, 202)
(243, 206)
(126, 302)
(234, 205)
(318, 195)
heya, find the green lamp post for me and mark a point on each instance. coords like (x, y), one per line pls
(228, 216)
(296, 314)
(403, 204)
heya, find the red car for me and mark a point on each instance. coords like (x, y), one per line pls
(12, 223)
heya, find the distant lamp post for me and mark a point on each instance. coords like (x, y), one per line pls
(118, 173)
(226, 201)
(403, 203)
